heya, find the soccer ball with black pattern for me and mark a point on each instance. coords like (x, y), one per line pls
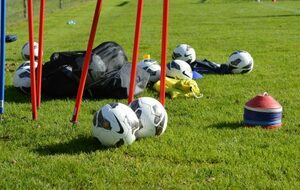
(240, 62)
(26, 51)
(152, 67)
(152, 116)
(185, 53)
(179, 69)
(115, 124)
(21, 78)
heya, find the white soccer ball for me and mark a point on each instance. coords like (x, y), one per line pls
(152, 67)
(21, 78)
(152, 116)
(179, 69)
(115, 124)
(25, 51)
(185, 53)
(240, 62)
(96, 69)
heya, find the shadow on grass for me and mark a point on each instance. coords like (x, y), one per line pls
(14, 95)
(123, 4)
(200, 1)
(73, 147)
(271, 16)
(226, 125)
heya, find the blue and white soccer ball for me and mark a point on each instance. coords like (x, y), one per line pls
(152, 67)
(26, 51)
(185, 53)
(152, 116)
(115, 124)
(240, 62)
(179, 69)
(21, 78)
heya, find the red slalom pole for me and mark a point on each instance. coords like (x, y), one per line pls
(31, 56)
(40, 55)
(135, 53)
(164, 47)
(86, 65)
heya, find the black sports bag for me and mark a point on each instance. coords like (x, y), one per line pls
(108, 74)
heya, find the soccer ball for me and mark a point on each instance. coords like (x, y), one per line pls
(185, 53)
(115, 124)
(21, 78)
(25, 51)
(240, 62)
(97, 69)
(152, 67)
(179, 69)
(152, 116)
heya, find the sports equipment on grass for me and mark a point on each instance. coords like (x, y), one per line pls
(25, 51)
(180, 88)
(10, 38)
(163, 49)
(185, 53)
(108, 75)
(152, 67)
(2, 53)
(179, 69)
(240, 62)
(35, 85)
(40, 52)
(21, 77)
(263, 110)
(86, 62)
(115, 124)
(152, 116)
(134, 55)
(208, 67)
(32, 60)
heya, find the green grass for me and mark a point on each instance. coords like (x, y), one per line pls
(16, 11)
(205, 146)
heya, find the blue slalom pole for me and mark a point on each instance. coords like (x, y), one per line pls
(2, 54)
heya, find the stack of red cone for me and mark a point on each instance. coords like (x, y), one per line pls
(263, 110)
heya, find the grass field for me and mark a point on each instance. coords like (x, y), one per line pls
(205, 145)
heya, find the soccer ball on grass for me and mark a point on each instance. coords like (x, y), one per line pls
(185, 53)
(240, 62)
(21, 78)
(179, 69)
(26, 51)
(115, 124)
(152, 67)
(152, 116)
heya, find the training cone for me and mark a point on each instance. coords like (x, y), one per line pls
(263, 110)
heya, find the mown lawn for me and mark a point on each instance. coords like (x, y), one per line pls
(205, 145)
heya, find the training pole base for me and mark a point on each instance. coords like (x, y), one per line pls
(74, 123)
